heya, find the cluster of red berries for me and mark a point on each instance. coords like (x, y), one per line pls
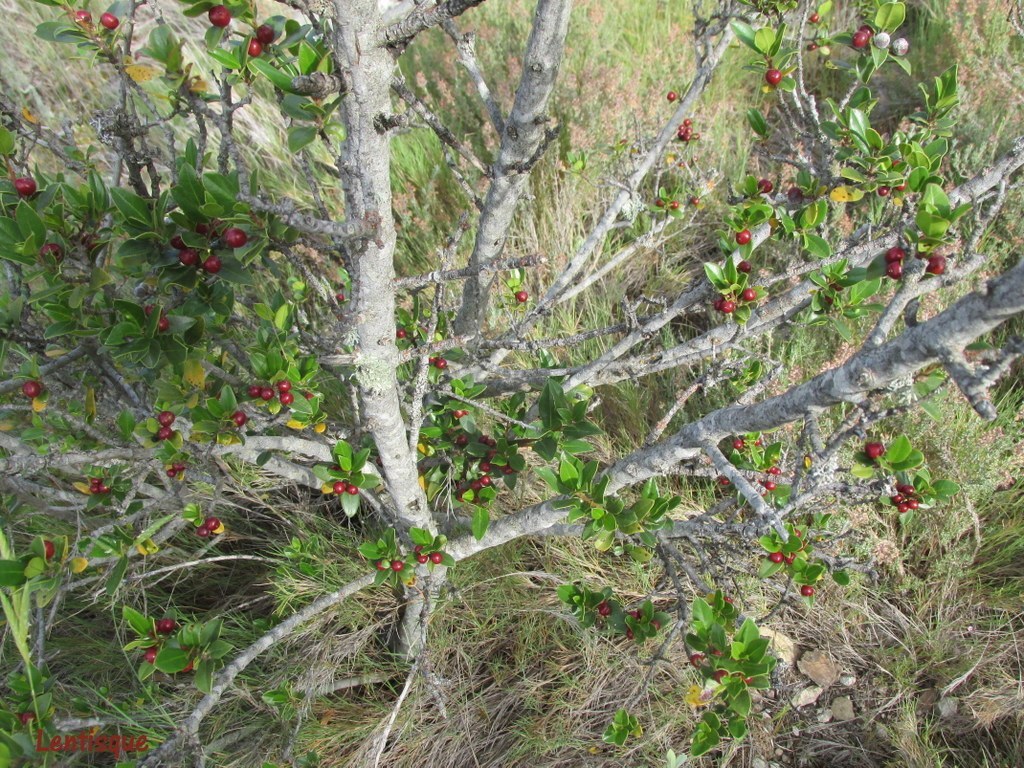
(163, 323)
(264, 36)
(685, 132)
(209, 527)
(165, 419)
(894, 263)
(340, 487)
(32, 389)
(97, 486)
(905, 498)
(438, 362)
(862, 36)
(175, 469)
(108, 20)
(266, 393)
(422, 559)
(728, 304)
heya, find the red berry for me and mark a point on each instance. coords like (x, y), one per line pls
(795, 195)
(694, 201)
(743, 237)
(874, 450)
(814, 18)
(287, 398)
(340, 487)
(900, 187)
(441, 363)
(164, 433)
(696, 659)
(219, 16)
(749, 294)
(765, 187)
(255, 47)
(352, 490)
(907, 490)
(522, 296)
(936, 265)
(189, 257)
(806, 590)
(722, 480)
(212, 265)
(895, 254)
(202, 229)
(172, 473)
(774, 471)
(629, 634)
(462, 440)
(110, 21)
(381, 565)
(31, 389)
(739, 444)
(672, 96)
(659, 203)
(604, 609)
(776, 557)
(790, 558)
(866, 28)
(744, 267)
(896, 499)
(436, 557)
(912, 503)
(83, 17)
(812, 46)
(773, 77)
(166, 418)
(719, 674)
(254, 390)
(166, 626)
(239, 418)
(883, 191)
(52, 249)
(202, 532)
(213, 523)
(235, 237)
(266, 393)
(397, 565)
(284, 386)
(163, 324)
(265, 34)
(26, 186)
(485, 481)
(860, 39)
(48, 549)
(26, 717)
(422, 559)
(894, 270)
(769, 485)
(728, 307)
(150, 655)
(901, 508)
(401, 333)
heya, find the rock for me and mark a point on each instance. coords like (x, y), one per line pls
(847, 680)
(819, 667)
(758, 762)
(825, 716)
(781, 645)
(842, 708)
(947, 707)
(807, 696)
(929, 698)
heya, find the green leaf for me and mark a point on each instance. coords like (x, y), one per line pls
(116, 575)
(841, 577)
(6, 142)
(300, 136)
(898, 450)
(481, 522)
(764, 39)
(757, 121)
(890, 16)
(143, 626)
(204, 675)
(12, 573)
(131, 206)
(745, 33)
(171, 660)
(280, 80)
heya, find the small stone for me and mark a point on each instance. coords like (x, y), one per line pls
(847, 680)
(825, 716)
(819, 667)
(842, 708)
(900, 46)
(781, 645)
(947, 707)
(929, 698)
(807, 696)
(758, 762)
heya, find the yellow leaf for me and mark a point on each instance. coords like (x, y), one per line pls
(320, 428)
(6, 426)
(90, 403)
(422, 448)
(695, 697)
(79, 564)
(141, 73)
(195, 374)
(326, 489)
(845, 195)
(38, 405)
(219, 529)
(198, 85)
(55, 352)
(83, 487)
(193, 401)
(26, 113)
(295, 424)
(141, 550)
(423, 482)
(807, 461)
